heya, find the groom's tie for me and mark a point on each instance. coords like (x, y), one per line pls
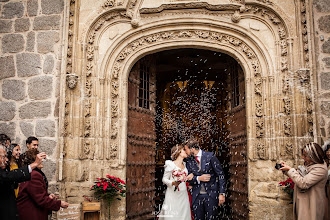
(197, 159)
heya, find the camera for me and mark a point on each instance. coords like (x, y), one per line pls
(278, 166)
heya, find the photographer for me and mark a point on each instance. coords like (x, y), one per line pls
(309, 193)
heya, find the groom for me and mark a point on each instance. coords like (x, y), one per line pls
(208, 184)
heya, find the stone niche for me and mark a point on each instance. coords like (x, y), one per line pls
(107, 38)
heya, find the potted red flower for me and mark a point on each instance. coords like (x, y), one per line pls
(288, 187)
(109, 188)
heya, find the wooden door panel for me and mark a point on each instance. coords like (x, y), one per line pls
(238, 189)
(140, 153)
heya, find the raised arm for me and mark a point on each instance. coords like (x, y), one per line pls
(305, 182)
(15, 176)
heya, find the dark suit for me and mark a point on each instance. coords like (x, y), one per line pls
(33, 200)
(217, 184)
(8, 210)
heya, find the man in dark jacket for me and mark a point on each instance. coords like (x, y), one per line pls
(8, 210)
(208, 183)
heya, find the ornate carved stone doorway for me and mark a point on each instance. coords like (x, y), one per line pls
(259, 36)
(200, 93)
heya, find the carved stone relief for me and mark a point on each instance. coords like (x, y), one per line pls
(304, 32)
(71, 80)
(260, 151)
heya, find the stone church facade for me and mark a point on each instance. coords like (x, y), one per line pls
(66, 70)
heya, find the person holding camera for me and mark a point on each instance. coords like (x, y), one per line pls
(310, 180)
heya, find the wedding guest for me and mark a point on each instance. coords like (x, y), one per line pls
(310, 179)
(326, 148)
(5, 140)
(8, 209)
(34, 201)
(31, 143)
(14, 160)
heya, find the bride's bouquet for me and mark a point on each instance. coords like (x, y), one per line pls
(179, 176)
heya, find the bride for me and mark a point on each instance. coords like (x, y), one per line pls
(176, 204)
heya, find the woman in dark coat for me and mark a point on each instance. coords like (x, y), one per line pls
(33, 201)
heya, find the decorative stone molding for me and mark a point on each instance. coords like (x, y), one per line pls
(71, 80)
(287, 150)
(265, 1)
(287, 106)
(109, 4)
(304, 77)
(260, 151)
(304, 32)
(236, 17)
(190, 5)
(260, 128)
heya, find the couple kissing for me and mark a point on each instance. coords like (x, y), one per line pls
(202, 174)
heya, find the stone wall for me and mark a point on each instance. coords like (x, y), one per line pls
(321, 15)
(30, 67)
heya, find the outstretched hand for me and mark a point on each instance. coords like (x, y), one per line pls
(53, 196)
(39, 159)
(285, 167)
(64, 204)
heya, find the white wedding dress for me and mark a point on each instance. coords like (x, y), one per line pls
(176, 205)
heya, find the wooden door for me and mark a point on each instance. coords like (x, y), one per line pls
(238, 186)
(141, 141)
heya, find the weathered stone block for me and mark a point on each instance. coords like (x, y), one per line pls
(52, 6)
(325, 108)
(27, 128)
(322, 5)
(8, 129)
(22, 25)
(12, 43)
(325, 81)
(48, 64)
(46, 145)
(40, 88)
(45, 128)
(13, 89)
(326, 61)
(5, 26)
(7, 111)
(49, 170)
(35, 110)
(46, 41)
(324, 23)
(7, 67)
(51, 22)
(32, 7)
(28, 64)
(12, 10)
(326, 46)
(30, 42)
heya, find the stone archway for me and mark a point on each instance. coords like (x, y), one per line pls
(104, 66)
(184, 37)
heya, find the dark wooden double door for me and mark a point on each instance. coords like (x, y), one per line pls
(158, 119)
